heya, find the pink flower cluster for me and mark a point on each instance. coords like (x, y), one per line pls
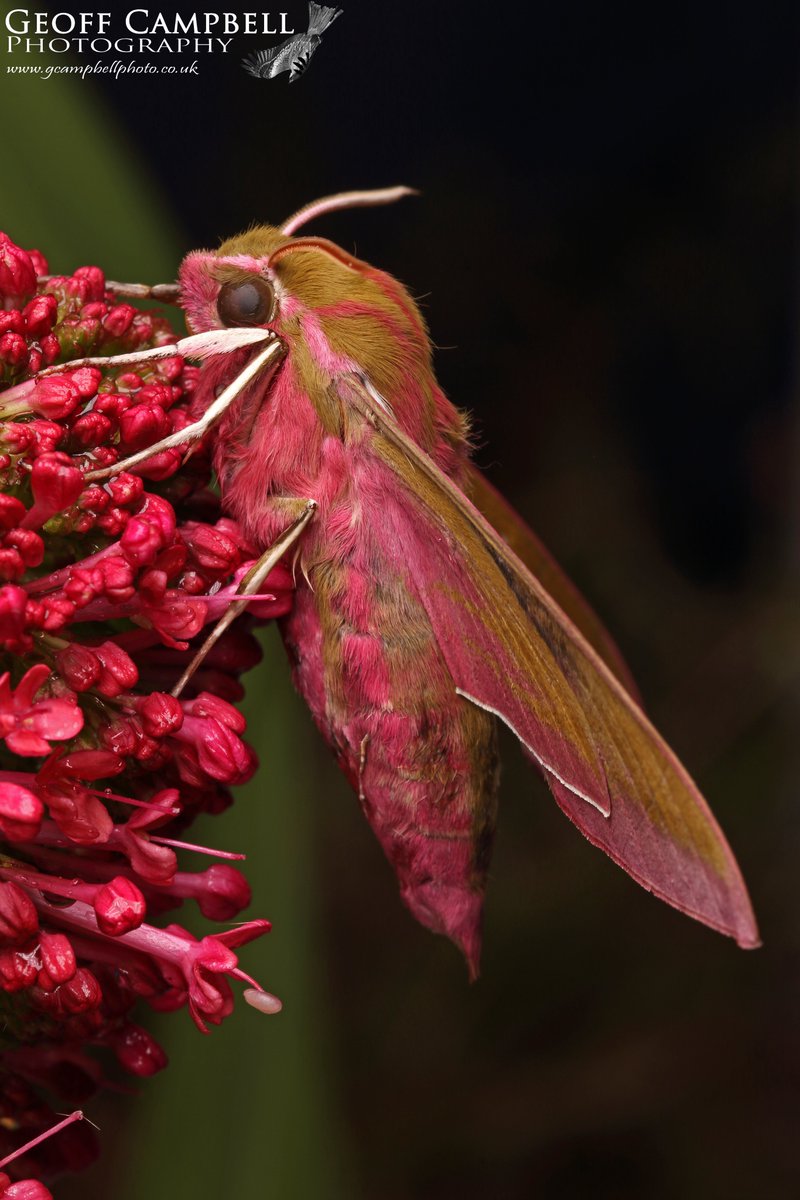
(102, 589)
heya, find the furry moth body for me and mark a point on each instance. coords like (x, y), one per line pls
(425, 609)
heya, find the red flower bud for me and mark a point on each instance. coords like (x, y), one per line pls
(117, 578)
(113, 521)
(149, 531)
(220, 753)
(92, 283)
(94, 310)
(112, 405)
(89, 429)
(51, 347)
(58, 960)
(39, 262)
(126, 489)
(79, 666)
(161, 714)
(11, 565)
(12, 512)
(119, 907)
(40, 315)
(28, 544)
(17, 970)
(12, 320)
(158, 393)
(137, 1051)
(54, 398)
(153, 586)
(85, 764)
(23, 1189)
(86, 380)
(13, 349)
(13, 603)
(221, 892)
(80, 994)
(118, 673)
(94, 498)
(17, 273)
(142, 425)
(20, 813)
(206, 705)
(56, 484)
(118, 320)
(129, 381)
(178, 618)
(162, 465)
(18, 919)
(213, 549)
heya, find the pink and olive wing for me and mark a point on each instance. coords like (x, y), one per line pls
(540, 562)
(512, 651)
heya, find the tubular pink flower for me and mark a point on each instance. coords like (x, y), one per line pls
(28, 725)
(56, 484)
(106, 590)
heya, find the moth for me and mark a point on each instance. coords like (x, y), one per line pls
(426, 611)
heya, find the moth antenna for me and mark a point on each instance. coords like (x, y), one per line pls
(371, 198)
(248, 588)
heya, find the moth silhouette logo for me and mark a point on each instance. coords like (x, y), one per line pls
(295, 53)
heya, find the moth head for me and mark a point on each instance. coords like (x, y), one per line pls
(318, 298)
(334, 313)
(228, 290)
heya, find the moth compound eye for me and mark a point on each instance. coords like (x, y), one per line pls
(248, 303)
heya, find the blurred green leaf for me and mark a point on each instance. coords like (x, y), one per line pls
(70, 182)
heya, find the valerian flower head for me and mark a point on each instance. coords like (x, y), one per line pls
(103, 588)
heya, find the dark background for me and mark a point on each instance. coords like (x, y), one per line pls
(606, 250)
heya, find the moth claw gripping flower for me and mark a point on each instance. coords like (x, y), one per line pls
(102, 588)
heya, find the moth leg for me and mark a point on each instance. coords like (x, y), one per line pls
(250, 585)
(167, 293)
(271, 353)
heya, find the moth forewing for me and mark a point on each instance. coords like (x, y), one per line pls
(513, 651)
(541, 564)
(371, 198)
